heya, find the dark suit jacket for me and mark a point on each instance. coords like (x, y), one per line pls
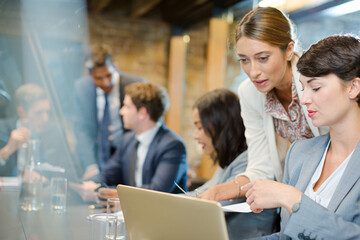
(86, 122)
(165, 162)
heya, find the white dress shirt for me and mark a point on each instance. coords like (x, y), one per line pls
(325, 192)
(145, 140)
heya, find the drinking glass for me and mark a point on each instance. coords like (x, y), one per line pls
(31, 191)
(58, 188)
(114, 207)
(103, 227)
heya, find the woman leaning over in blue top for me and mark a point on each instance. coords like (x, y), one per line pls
(320, 196)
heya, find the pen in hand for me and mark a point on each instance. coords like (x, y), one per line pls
(187, 194)
(180, 188)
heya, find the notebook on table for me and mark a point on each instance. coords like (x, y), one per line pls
(154, 215)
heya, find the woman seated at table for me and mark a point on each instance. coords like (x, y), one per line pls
(220, 132)
(320, 196)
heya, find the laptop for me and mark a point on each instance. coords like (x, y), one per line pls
(154, 215)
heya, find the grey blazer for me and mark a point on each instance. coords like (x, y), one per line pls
(341, 219)
(241, 225)
(229, 173)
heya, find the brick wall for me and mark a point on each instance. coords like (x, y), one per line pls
(139, 47)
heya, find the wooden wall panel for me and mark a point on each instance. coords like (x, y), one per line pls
(176, 83)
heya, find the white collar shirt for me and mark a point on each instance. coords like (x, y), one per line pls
(145, 140)
(325, 192)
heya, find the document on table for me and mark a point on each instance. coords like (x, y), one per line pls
(50, 168)
(238, 207)
(9, 183)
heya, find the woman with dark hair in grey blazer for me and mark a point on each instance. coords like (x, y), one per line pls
(219, 130)
(320, 197)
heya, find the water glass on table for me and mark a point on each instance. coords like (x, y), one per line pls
(114, 208)
(58, 189)
(103, 227)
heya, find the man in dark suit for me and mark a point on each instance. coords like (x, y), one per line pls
(151, 156)
(98, 126)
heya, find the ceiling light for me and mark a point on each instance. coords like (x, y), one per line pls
(343, 9)
(271, 3)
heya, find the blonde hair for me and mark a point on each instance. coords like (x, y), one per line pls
(268, 25)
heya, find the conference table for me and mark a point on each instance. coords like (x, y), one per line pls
(44, 224)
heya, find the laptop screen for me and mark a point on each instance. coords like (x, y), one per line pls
(157, 215)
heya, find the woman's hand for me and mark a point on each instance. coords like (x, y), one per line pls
(226, 191)
(264, 194)
(209, 194)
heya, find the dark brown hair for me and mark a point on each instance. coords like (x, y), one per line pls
(219, 112)
(153, 97)
(99, 57)
(338, 54)
(266, 24)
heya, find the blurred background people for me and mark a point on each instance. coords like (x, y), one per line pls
(32, 107)
(5, 98)
(321, 189)
(98, 126)
(219, 130)
(151, 156)
(271, 110)
(33, 110)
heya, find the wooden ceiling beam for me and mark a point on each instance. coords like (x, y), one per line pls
(97, 6)
(141, 7)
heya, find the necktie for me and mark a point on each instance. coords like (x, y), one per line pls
(133, 159)
(104, 135)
